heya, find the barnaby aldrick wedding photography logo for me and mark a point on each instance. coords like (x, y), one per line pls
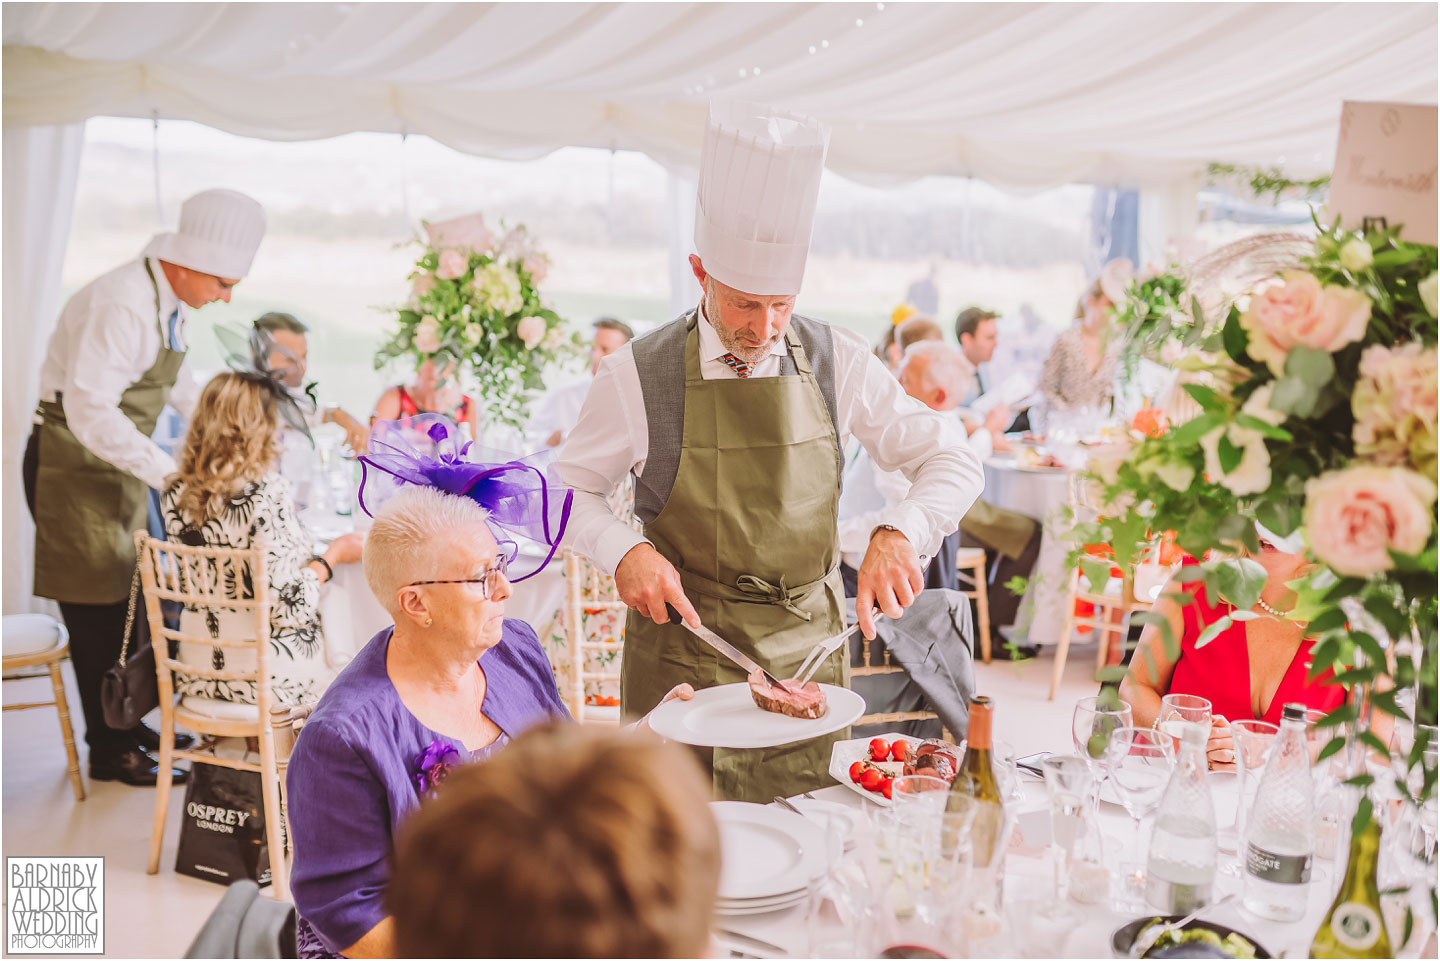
(54, 905)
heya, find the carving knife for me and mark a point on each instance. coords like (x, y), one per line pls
(724, 647)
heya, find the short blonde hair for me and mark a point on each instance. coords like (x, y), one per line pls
(403, 542)
(572, 842)
(233, 440)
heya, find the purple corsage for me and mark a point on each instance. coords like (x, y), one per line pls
(434, 765)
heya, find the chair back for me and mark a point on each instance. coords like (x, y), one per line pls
(230, 587)
(592, 661)
(245, 925)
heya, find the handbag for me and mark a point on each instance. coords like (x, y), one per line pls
(129, 689)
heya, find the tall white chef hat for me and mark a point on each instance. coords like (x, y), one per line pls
(759, 180)
(219, 233)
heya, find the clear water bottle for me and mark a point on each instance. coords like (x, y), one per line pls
(1180, 872)
(1280, 830)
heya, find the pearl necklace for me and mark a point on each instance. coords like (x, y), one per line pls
(1270, 610)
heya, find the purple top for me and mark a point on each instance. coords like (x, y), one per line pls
(351, 780)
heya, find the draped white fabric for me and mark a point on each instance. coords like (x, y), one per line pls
(41, 166)
(1021, 95)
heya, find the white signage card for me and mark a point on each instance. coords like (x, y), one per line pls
(1386, 168)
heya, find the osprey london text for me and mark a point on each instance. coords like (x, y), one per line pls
(55, 905)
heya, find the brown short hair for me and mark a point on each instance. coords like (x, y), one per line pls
(969, 320)
(572, 842)
(917, 329)
(610, 323)
(279, 320)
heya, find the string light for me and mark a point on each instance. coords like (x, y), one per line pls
(812, 48)
(859, 22)
(755, 72)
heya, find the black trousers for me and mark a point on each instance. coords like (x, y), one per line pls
(96, 633)
(1001, 567)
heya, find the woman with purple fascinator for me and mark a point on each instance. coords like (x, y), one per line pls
(449, 683)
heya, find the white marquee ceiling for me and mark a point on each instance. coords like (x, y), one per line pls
(1025, 95)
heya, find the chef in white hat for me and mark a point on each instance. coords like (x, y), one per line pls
(114, 361)
(733, 420)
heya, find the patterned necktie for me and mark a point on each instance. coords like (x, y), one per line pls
(742, 369)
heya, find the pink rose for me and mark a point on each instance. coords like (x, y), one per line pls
(468, 233)
(1395, 404)
(422, 284)
(537, 266)
(427, 335)
(531, 330)
(1355, 517)
(453, 264)
(1297, 312)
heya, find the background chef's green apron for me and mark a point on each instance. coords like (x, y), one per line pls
(750, 523)
(87, 509)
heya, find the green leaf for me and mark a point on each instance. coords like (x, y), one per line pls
(1229, 454)
(1240, 580)
(1096, 571)
(1161, 623)
(1190, 432)
(1263, 427)
(1311, 365)
(1243, 616)
(1385, 701)
(1322, 656)
(1205, 397)
(1373, 651)
(1371, 739)
(1394, 621)
(1331, 748)
(1293, 396)
(1212, 632)
(1343, 714)
(1112, 674)
(1189, 574)
(1235, 337)
(1330, 620)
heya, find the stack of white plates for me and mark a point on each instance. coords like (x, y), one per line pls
(769, 857)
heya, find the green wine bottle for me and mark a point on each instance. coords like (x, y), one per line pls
(976, 779)
(1353, 927)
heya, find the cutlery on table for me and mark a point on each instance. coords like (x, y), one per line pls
(724, 647)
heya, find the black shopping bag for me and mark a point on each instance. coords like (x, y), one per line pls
(222, 836)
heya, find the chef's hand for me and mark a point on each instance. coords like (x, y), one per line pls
(647, 582)
(889, 578)
(1220, 748)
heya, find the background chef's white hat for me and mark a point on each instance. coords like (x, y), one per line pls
(759, 180)
(219, 233)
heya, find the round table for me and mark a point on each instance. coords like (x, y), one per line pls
(1038, 492)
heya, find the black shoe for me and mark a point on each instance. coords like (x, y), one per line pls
(1006, 652)
(149, 739)
(133, 767)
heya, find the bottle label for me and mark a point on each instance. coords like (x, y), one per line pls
(1355, 925)
(1279, 868)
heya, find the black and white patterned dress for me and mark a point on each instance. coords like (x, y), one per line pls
(297, 651)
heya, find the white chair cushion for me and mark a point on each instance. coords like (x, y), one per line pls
(969, 556)
(219, 710)
(26, 634)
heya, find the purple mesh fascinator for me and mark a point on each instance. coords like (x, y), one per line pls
(429, 450)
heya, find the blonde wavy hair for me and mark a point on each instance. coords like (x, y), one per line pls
(234, 439)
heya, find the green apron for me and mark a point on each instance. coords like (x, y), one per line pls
(750, 524)
(87, 509)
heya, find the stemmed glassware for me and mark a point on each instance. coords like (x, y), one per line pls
(1252, 740)
(1069, 784)
(1139, 761)
(1178, 709)
(1094, 720)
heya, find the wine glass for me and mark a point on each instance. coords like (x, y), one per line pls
(1139, 760)
(1094, 719)
(1069, 784)
(1178, 709)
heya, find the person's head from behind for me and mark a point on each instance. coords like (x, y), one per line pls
(935, 374)
(975, 329)
(916, 329)
(610, 336)
(289, 347)
(748, 324)
(233, 440)
(434, 565)
(572, 842)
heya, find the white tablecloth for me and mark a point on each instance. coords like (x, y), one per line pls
(1037, 493)
(1029, 876)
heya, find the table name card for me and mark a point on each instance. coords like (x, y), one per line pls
(1386, 169)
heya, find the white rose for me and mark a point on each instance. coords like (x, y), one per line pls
(1177, 476)
(1258, 405)
(1428, 293)
(1252, 474)
(1356, 255)
(427, 335)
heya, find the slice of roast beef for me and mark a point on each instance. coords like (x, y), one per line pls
(790, 698)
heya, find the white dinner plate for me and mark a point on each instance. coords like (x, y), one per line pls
(727, 716)
(738, 910)
(845, 753)
(766, 851)
(846, 818)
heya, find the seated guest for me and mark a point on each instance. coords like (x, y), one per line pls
(560, 410)
(544, 852)
(434, 390)
(976, 330)
(936, 375)
(1250, 670)
(1080, 371)
(916, 329)
(228, 492)
(889, 350)
(288, 357)
(450, 682)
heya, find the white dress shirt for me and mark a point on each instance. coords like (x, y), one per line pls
(870, 493)
(612, 439)
(560, 410)
(106, 338)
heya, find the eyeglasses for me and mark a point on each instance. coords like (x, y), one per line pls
(489, 580)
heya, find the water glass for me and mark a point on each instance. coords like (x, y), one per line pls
(1139, 760)
(1178, 709)
(1090, 728)
(1007, 775)
(1069, 784)
(1252, 740)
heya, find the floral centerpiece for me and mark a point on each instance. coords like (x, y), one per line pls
(1316, 397)
(475, 302)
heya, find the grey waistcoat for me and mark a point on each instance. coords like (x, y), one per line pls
(660, 364)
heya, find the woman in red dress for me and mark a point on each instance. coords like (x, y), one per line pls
(1250, 670)
(432, 392)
